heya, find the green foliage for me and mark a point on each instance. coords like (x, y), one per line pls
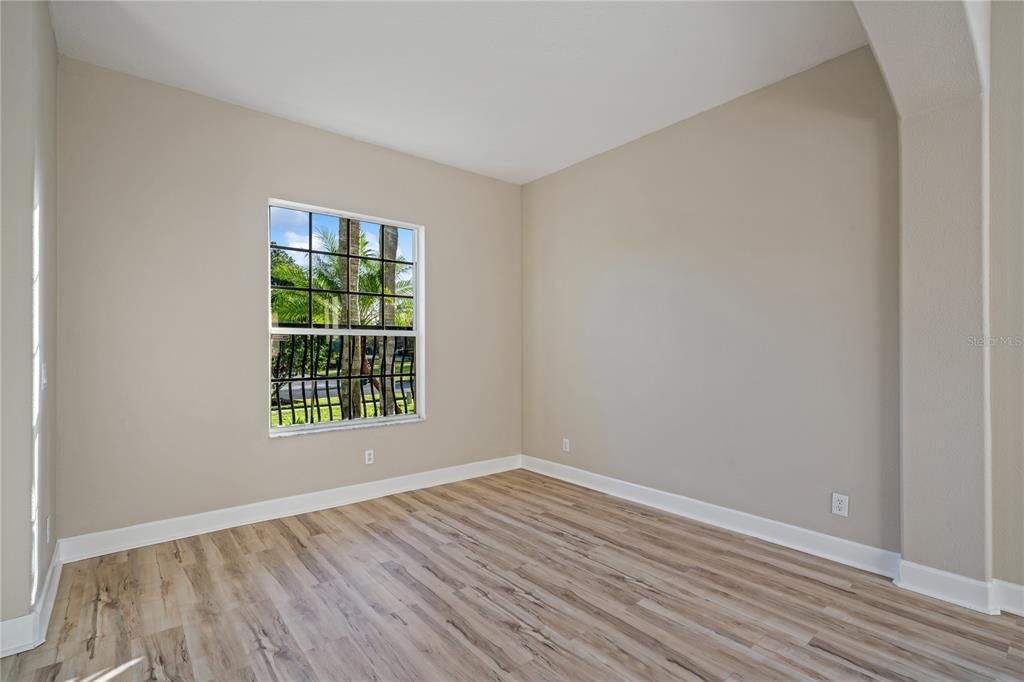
(284, 271)
(339, 273)
(288, 306)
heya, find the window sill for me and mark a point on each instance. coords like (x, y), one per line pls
(302, 429)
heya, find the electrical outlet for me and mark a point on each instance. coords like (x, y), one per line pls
(840, 504)
(368, 456)
(565, 445)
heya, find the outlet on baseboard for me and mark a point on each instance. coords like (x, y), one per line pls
(368, 456)
(840, 504)
(565, 445)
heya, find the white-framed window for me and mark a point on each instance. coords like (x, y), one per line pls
(346, 319)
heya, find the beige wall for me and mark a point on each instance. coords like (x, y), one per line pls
(29, 82)
(163, 339)
(934, 56)
(712, 310)
(1007, 223)
(945, 491)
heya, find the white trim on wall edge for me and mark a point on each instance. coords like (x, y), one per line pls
(991, 597)
(29, 631)
(120, 539)
(829, 547)
(1009, 597)
(956, 589)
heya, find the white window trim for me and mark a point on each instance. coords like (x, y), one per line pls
(418, 331)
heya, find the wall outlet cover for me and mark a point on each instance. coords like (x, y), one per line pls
(840, 504)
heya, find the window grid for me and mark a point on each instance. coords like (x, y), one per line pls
(319, 377)
(350, 227)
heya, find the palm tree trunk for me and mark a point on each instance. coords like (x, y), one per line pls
(351, 396)
(389, 251)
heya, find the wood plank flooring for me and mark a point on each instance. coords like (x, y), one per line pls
(514, 576)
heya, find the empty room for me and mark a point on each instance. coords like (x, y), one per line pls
(429, 341)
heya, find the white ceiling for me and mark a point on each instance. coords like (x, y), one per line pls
(510, 90)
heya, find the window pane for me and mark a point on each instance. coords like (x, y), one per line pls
(330, 310)
(329, 272)
(401, 355)
(399, 243)
(289, 308)
(369, 239)
(373, 358)
(399, 278)
(373, 403)
(286, 353)
(329, 233)
(289, 268)
(398, 313)
(289, 227)
(351, 360)
(389, 246)
(406, 244)
(368, 280)
(402, 394)
(287, 406)
(369, 312)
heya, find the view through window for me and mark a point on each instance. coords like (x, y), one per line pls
(344, 331)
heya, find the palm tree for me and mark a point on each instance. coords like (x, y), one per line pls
(336, 273)
(344, 273)
(363, 275)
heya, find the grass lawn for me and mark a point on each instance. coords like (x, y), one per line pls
(323, 412)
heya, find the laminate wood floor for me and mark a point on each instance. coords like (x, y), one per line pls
(513, 576)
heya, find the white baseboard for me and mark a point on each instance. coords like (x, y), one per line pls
(812, 542)
(956, 589)
(1008, 597)
(143, 534)
(26, 632)
(29, 631)
(987, 597)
